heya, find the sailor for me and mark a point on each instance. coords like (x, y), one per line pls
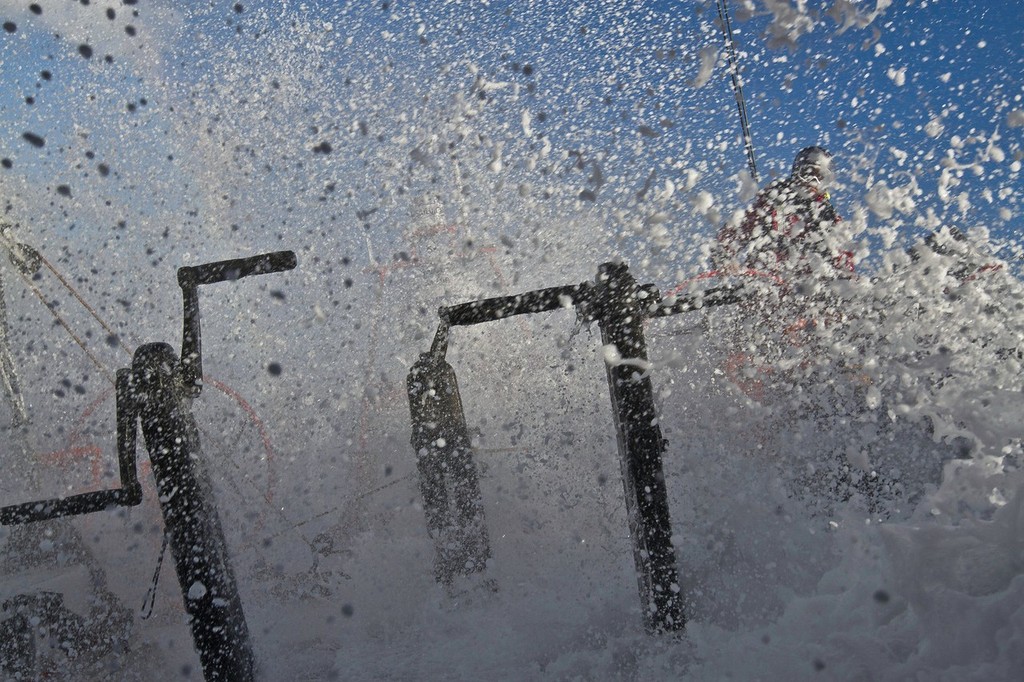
(786, 243)
(787, 231)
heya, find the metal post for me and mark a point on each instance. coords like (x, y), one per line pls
(130, 492)
(621, 307)
(444, 457)
(158, 391)
(190, 278)
(196, 538)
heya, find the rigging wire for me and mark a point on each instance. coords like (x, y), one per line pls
(107, 374)
(85, 304)
(737, 85)
(52, 307)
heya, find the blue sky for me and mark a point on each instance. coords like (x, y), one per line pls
(954, 65)
(892, 88)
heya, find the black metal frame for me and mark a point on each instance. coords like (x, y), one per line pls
(440, 436)
(128, 495)
(157, 392)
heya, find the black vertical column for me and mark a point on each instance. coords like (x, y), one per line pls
(196, 538)
(449, 480)
(621, 308)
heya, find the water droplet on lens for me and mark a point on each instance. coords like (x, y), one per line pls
(33, 139)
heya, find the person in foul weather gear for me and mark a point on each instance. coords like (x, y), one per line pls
(27, 260)
(788, 229)
(785, 251)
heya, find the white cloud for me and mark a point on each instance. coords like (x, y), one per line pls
(102, 26)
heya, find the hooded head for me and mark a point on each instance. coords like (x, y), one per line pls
(814, 165)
